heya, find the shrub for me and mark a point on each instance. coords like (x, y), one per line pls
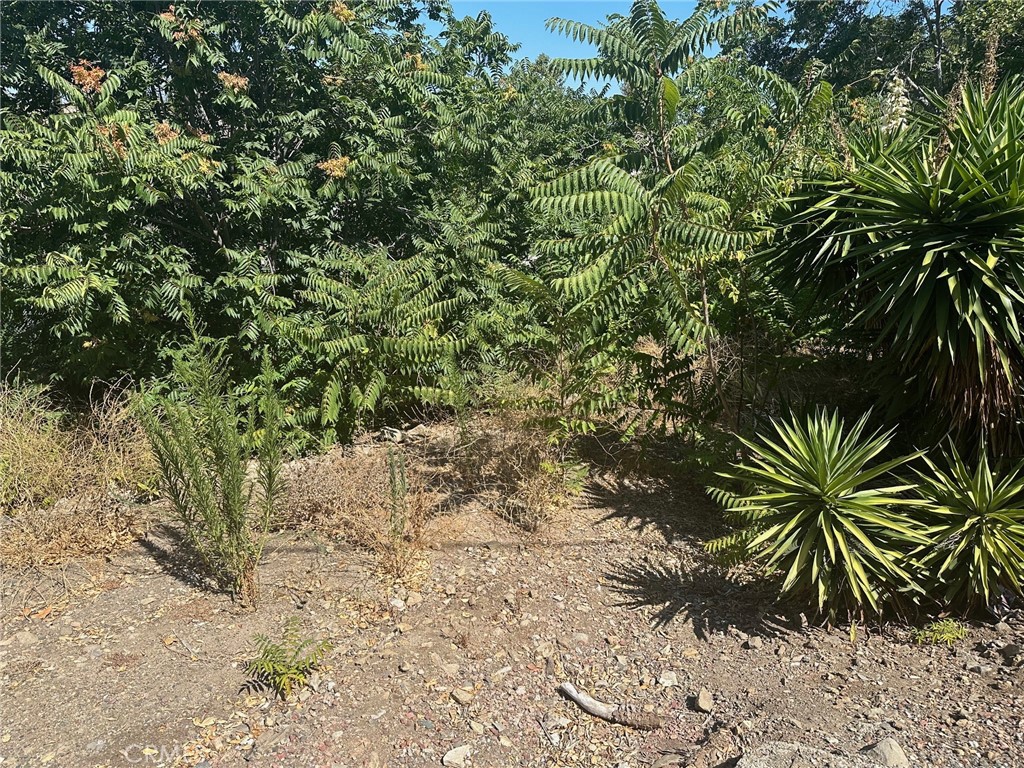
(35, 452)
(68, 484)
(286, 665)
(975, 521)
(197, 436)
(812, 512)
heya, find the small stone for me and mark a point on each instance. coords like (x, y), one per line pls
(404, 666)
(449, 589)
(476, 727)
(450, 669)
(462, 696)
(1002, 628)
(397, 603)
(704, 701)
(889, 753)
(414, 599)
(1011, 654)
(24, 638)
(456, 757)
(979, 669)
(668, 679)
(546, 649)
(754, 644)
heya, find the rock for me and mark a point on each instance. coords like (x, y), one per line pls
(456, 757)
(704, 701)
(889, 753)
(462, 696)
(397, 603)
(1002, 628)
(24, 637)
(777, 754)
(414, 599)
(979, 669)
(668, 679)
(1011, 654)
(450, 669)
(477, 728)
(754, 643)
(666, 761)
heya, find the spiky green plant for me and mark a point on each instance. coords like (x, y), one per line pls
(198, 433)
(286, 665)
(926, 229)
(975, 520)
(813, 510)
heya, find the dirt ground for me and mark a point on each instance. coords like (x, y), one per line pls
(129, 661)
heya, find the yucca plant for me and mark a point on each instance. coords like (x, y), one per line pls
(975, 519)
(925, 227)
(814, 511)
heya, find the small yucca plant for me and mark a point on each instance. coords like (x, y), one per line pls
(813, 512)
(975, 519)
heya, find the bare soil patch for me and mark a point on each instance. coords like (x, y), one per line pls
(129, 660)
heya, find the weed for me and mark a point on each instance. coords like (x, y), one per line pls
(284, 666)
(197, 436)
(943, 631)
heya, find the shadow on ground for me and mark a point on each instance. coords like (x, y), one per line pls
(709, 599)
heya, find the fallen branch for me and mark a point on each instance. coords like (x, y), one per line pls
(613, 713)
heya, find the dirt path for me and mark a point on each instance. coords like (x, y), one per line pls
(129, 662)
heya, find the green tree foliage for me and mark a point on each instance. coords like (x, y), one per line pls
(646, 269)
(322, 179)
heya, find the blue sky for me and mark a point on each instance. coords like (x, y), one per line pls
(523, 20)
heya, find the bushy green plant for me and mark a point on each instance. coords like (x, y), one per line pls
(975, 523)
(945, 631)
(284, 666)
(926, 222)
(813, 510)
(203, 442)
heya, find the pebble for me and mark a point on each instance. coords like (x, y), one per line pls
(754, 643)
(456, 757)
(668, 679)
(24, 637)
(704, 701)
(889, 753)
(462, 696)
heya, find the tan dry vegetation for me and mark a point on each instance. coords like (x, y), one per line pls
(347, 494)
(513, 466)
(68, 488)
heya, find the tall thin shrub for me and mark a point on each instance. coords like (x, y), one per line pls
(203, 439)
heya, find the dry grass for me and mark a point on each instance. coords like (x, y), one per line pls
(515, 467)
(348, 494)
(66, 485)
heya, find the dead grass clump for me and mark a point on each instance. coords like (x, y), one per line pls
(369, 498)
(84, 526)
(67, 485)
(35, 452)
(515, 467)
